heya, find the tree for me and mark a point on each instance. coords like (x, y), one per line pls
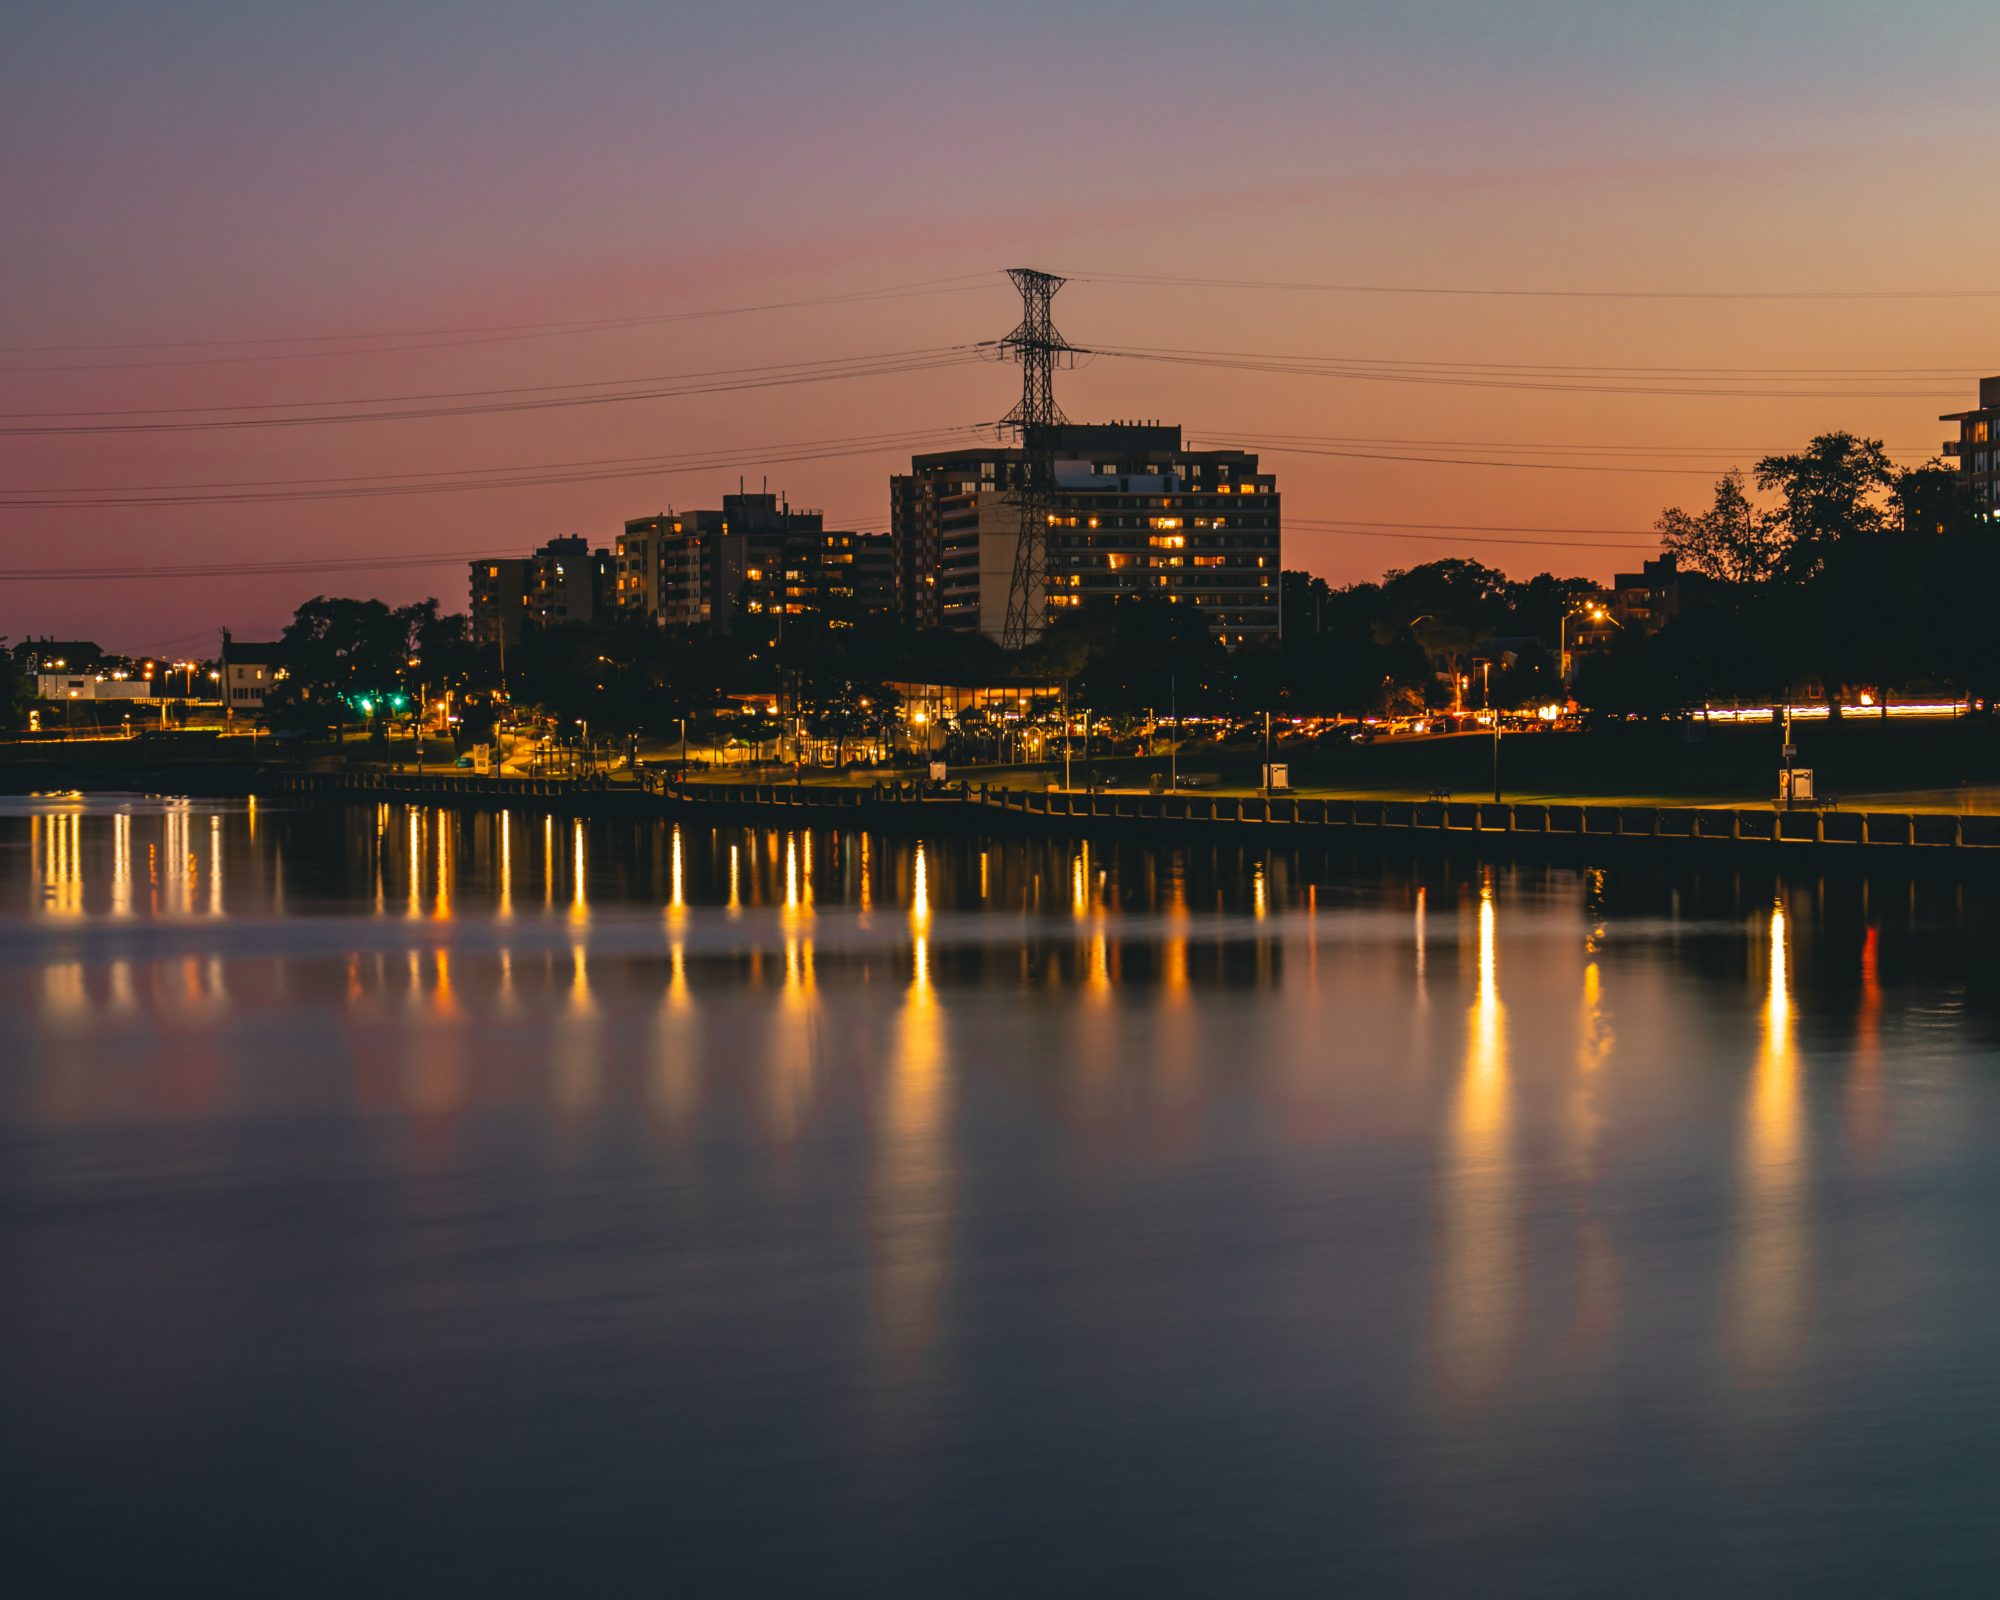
(1830, 494)
(16, 693)
(1539, 606)
(1462, 601)
(347, 659)
(1144, 650)
(1732, 541)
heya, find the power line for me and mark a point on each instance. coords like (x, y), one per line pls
(481, 393)
(1272, 438)
(1557, 368)
(1482, 539)
(755, 378)
(245, 569)
(494, 391)
(1460, 527)
(449, 338)
(1469, 378)
(1162, 280)
(302, 490)
(444, 474)
(1470, 461)
(1463, 461)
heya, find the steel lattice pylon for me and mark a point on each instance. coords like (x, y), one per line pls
(1038, 347)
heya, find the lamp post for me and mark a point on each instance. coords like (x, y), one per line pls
(1427, 616)
(1596, 613)
(1065, 726)
(1486, 679)
(1788, 756)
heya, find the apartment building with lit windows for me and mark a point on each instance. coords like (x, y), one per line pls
(756, 554)
(500, 599)
(564, 581)
(1978, 445)
(1134, 511)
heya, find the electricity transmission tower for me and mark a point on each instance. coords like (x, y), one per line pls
(1038, 347)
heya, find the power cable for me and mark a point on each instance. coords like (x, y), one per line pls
(1307, 367)
(1164, 280)
(666, 468)
(444, 474)
(551, 396)
(366, 344)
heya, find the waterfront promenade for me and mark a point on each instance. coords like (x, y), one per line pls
(1560, 827)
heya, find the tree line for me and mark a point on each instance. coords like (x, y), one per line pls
(1850, 575)
(1826, 570)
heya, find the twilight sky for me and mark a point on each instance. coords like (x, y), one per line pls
(197, 195)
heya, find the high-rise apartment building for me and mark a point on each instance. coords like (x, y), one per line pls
(1134, 511)
(639, 564)
(874, 571)
(1978, 445)
(570, 582)
(500, 599)
(564, 581)
(695, 569)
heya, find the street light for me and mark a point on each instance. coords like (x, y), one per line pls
(1596, 613)
(1429, 660)
(1486, 681)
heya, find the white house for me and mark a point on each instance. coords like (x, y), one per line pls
(249, 673)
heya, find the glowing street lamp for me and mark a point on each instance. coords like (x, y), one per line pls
(1595, 612)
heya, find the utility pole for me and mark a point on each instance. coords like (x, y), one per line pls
(1038, 347)
(1267, 755)
(1174, 749)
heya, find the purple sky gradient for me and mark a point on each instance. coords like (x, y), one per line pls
(249, 171)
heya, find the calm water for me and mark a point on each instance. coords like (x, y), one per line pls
(398, 1201)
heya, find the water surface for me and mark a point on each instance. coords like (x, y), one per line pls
(397, 1199)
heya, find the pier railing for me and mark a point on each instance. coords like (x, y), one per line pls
(1523, 821)
(390, 784)
(1551, 819)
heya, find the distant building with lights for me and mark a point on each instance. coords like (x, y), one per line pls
(1652, 597)
(1978, 445)
(66, 685)
(1135, 511)
(564, 581)
(249, 672)
(500, 600)
(35, 656)
(755, 555)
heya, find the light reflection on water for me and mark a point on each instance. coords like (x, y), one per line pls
(1307, 1220)
(1479, 1253)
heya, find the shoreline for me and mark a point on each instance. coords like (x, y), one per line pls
(1564, 828)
